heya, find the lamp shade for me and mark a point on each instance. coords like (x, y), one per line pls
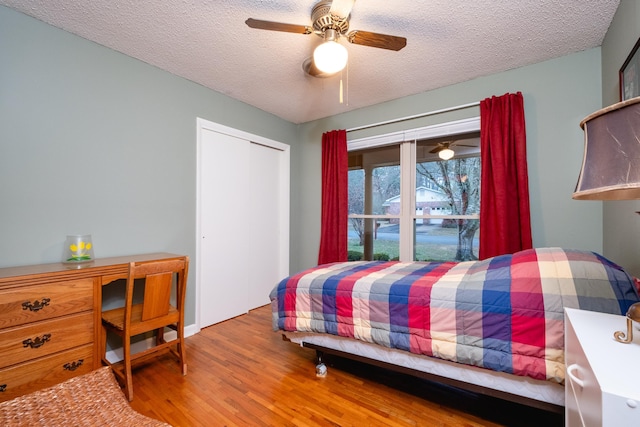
(446, 154)
(330, 57)
(611, 162)
(342, 8)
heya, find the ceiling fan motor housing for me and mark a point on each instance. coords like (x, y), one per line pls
(323, 20)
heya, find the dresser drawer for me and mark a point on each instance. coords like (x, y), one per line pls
(40, 339)
(27, 377)
(38, 302)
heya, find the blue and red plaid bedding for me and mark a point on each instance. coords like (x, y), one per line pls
(504, 313)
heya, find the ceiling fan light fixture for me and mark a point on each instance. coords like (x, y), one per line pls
(446, 154)
(330, 57)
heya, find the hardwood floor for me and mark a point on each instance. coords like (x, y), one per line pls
(241, 373)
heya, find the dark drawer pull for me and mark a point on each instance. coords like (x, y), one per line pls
(37, 341)
(72, 366)
(36, 305)
(3, 387)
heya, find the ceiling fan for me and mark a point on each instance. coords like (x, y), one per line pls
(444, 149)
(330, 20)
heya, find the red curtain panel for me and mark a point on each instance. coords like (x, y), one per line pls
(505, 220)
(335, 202)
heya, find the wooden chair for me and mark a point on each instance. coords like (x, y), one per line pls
(154, 313)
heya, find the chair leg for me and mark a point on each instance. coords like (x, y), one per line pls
(102, 344)
(181, 349)
(128, 387)
(159, 336)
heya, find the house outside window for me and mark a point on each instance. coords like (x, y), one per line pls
(406, 203)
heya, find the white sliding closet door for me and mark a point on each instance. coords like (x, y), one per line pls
(264, 223)
(243, 221)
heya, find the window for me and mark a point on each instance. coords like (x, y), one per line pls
(447, 200)
(406, 203)
(374, 179)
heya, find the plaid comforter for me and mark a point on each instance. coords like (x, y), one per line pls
(503, 313)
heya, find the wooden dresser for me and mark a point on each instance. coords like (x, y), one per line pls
(50, 320)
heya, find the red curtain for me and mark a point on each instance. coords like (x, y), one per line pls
(505, 223)
(335, 202)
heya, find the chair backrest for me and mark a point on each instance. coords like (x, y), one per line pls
(158, 282)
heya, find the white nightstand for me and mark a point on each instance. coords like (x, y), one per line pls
(602, 386)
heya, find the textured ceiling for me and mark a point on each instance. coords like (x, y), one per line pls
(448, 41)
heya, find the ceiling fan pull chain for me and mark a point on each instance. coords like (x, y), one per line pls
(347, 84)
(341, 95)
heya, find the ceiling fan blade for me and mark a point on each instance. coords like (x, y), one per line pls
(441, 146)
(278, 26)
(382, 41)
(341, 8)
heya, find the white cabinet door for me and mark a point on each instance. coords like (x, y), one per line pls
(583, 399)
(601, 388)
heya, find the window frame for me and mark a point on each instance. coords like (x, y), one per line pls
(407, 141)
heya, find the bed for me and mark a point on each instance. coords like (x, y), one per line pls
(494, 326)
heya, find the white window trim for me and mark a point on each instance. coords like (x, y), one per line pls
(456, 127)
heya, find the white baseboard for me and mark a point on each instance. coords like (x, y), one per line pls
(116, 355)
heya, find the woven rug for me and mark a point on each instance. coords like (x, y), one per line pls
(93, 399)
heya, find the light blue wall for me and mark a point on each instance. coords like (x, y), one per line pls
(621, 223)
(93, 141)
(558, 94)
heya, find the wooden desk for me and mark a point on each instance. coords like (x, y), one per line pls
(50, 320)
